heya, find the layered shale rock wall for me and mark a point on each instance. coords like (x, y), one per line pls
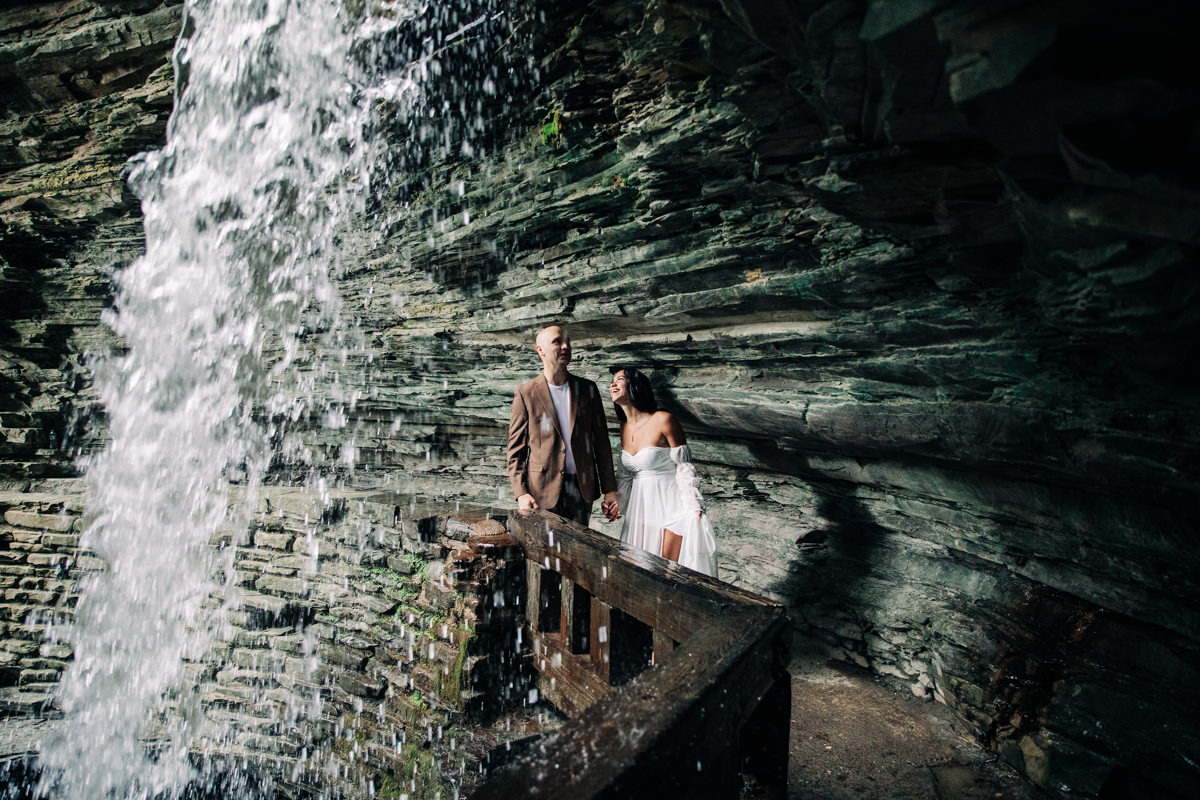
(360, 635)
(85, 86)
(918, 278)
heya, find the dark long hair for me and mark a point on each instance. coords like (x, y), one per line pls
(641, 393)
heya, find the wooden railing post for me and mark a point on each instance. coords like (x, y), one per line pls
(663, 646)
(717, 702)
(576, 617)
(600, 630)
(533, 595)
(764, 736)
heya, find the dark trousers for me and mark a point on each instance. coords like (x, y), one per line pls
(571, 504)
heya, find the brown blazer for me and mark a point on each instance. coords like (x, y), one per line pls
(536, 453)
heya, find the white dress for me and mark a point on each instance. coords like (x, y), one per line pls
(658, 489)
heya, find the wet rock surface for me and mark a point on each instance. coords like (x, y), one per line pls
(87, 85)
(333, 671)
(918, 278)
(854, 738)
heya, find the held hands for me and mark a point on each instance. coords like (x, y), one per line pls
(610, 506)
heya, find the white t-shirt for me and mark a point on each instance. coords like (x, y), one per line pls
(561, 395)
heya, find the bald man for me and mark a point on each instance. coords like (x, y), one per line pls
(559, 455)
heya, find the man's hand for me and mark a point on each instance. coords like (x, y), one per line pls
(610, 506)
(526, 502)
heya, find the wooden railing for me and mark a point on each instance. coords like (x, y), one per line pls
(675, 681)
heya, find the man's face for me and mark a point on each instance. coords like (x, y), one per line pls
(554, 348)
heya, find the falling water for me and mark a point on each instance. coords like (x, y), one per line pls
(266, 156)
(291, 119)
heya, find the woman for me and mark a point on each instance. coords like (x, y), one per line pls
(656, 482)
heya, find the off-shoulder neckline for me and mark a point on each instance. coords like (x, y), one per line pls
(651, 447)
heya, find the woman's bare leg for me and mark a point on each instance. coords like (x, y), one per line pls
(671, 544)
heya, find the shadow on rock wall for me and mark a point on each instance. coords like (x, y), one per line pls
(918, 279)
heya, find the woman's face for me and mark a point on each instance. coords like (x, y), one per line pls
(617, 390)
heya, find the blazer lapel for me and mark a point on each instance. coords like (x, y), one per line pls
(547, 403)
(574, 384)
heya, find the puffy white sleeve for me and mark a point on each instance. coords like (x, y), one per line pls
(687, 482)
(698, 550)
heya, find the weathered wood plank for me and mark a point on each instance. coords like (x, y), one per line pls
(667, 731)
(660, 593)
(663, 646)
(567, 608)
(764, 737)
(533, 594)
(683, 726)
(567, 679)
(599, 649)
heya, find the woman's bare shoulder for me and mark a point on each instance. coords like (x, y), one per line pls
(670, 427)
(664, 419)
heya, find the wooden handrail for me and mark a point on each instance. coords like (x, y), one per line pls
(717, 701)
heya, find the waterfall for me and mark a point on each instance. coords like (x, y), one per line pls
(266, 157)
(295, 122)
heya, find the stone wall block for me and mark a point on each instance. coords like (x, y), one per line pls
(59, 523)
(274, 541)
(294, 564)
(376, 604)
(284, 570)
(61, 541)
(31, 678)
(357, 684)
(32, 596)
(245, 578)
(309, 673)
(229, 695)
(226, 537)
(260, 659)
(88, 563)
(349, 619)
(401, 565)
(302, 545)
(323, 631)
(53, 561)
(263, 606)
(278, 585)
(53, 664)
(48, 584)
(343, 656)
(245, 675)
(280, 639)
(19, 647)
(365, 644)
